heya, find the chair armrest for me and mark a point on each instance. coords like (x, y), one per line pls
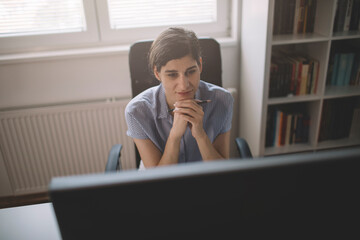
(243, 148)
(113, 163)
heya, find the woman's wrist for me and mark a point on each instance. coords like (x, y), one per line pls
(174, 138)
(199, 135)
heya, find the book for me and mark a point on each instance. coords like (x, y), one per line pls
(296, 16)
(306, 128)
(299, 71)
(340, 78)
(355, 124)
(355, 77)
(289, 19)
(306, 10)
(292, 87)
(276, 24)
(312, 13)
(349, 64)
(315, 77)
(335, 69)
(309, 81)
(300, 23)
(278, 116)
(288, 129)
(355, 15)
(283, 123)
(293, 130)
(348, 15)
(304, 77)
(341, 7)
(270, 126)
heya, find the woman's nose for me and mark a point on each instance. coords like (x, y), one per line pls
(184, 81)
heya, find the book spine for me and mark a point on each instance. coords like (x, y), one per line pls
(355, 124)
(288, 129)
(348, 15)
(342, 69)
(298, 85)
(293, 135)
(300, 25)
(349, 65)
(306, 16)
(315, 77)
(334, 74)
(304, 76)
(283, 128)
(296, 16)
(355, 15)
(340, 15)
(278, 115)
(309, 81)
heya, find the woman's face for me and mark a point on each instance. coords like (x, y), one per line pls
(180, 78)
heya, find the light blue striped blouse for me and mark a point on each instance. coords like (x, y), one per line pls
(147, 117)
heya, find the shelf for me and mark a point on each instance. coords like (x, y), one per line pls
(293, 99)
(341, 91)
(298, 38)
(344, 142)
(346, 35)
(259, 46)
(298, 147)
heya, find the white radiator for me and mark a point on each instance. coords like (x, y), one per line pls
(40, 143)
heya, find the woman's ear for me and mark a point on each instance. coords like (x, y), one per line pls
(156, 73)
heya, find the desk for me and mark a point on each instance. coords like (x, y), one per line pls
(36, 221)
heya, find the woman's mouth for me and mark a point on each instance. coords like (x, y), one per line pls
(184, 93)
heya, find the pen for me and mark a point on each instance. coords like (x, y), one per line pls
(197, 101)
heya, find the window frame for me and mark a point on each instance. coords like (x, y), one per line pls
(99, 34)
(23, 43)
(125, 36)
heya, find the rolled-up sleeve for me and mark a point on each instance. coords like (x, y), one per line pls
(135, 129)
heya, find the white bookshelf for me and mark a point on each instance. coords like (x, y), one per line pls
(257, 44)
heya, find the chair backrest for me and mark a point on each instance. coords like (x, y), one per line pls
(142, 78)
(243, 148)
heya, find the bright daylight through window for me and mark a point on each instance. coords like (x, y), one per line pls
(144, 13)
(33, 25)
(33, 17)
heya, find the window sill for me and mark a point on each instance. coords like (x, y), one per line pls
(82, 52)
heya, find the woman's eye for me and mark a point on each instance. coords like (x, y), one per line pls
(190, 72)
(172, 75)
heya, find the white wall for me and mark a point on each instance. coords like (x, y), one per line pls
(53, 79)
(80, 78)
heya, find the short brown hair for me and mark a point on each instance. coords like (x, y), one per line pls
(173, 43)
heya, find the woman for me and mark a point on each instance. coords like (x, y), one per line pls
(168, 122)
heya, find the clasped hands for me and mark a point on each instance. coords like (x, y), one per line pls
(188, 113)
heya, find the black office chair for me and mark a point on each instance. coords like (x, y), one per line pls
(113, 163)
(143, 78)
(243, 148)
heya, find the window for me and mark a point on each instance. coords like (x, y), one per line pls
(133, 14)
(30, 25)
(43, 24)
(125, 21)
(31, 17)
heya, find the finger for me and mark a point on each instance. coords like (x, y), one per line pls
(189, 103)
(190, 112)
